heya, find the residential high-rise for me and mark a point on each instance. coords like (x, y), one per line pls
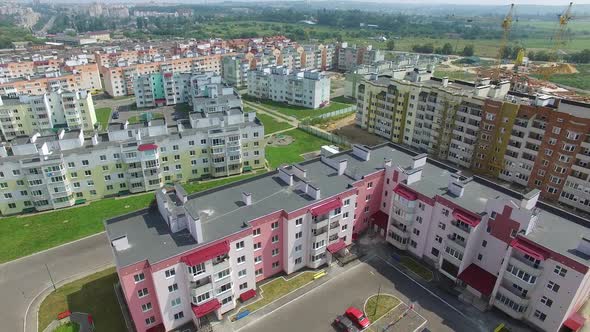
(348, 57)
(531, 141)
(500, 248)
(30, 114)
(309, 89)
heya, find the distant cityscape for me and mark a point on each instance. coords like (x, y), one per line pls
(230, 177)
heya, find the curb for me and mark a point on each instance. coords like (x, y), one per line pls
(40, 297)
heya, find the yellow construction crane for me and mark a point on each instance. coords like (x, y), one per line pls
(559, 38)
(558, 41)
(506, 26)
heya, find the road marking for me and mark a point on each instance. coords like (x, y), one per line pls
(371, 272)
(52, 248)
(421, 286)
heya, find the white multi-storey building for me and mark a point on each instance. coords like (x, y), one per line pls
(51, 172)
(43, 114)
(309, 89)
(504, 249)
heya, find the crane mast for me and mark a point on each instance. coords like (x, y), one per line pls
(506, 26)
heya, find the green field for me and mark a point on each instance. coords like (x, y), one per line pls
(24, 235)
(454, 75)
(291, 153)
(580, 80)
(103, 115)
(271, 125)
(94, 295)
(299, 112)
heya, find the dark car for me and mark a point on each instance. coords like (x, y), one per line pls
(115, 115)
(344, 324)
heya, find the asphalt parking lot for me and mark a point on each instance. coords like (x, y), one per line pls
(315, 310)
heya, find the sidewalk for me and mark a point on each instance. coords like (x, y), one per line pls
(333, 271)
(487, 320)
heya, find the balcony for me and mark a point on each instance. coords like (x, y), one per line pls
(335, 224)
(526, 266)
(320, 223)
(460, 228)
(333, 238)
(202, 286)
(320, 232)
(513, 309)
(452, 259)
(514, 295)
(512, 279)
(456, 242)
(221, 264)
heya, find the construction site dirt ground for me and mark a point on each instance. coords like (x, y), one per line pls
(356, 135)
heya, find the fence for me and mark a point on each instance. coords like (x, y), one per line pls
(350, 109)
(324, 134)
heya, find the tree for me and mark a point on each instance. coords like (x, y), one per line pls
(447, 49)
(468, 50)
(391, 44)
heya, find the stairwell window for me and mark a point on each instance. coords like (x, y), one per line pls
(170, 273)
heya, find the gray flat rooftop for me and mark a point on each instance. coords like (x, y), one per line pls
(222, 212)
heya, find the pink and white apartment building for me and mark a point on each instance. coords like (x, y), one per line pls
(194, 256)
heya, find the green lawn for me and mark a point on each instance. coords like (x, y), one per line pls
(94, 295)
(454, 75)
(344, 100)
(22, 236)
(193, 187)
(278, 288)
(272, 125)
(379, 305)
(141, 117)
(103, 115)
(418, 268)
(289, 154)
(68, 327)
(299, 112)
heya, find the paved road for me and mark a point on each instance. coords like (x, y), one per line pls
(316, 310)
(22, 280)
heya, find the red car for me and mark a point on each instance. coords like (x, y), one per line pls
(358, 317)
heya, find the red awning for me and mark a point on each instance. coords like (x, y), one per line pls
(326, 207)
(336, 247)
(205, 308)
(465, 217)
(405, 193)
(157, 328)
(380, 219)
(530, 249)
(202, 255)
(479, 279)
(146, 147)
(575, 322)
(245, 296)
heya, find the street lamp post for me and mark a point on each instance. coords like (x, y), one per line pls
(377, 301)
(50, 277)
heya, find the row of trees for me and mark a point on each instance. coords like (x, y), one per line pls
(446, 49)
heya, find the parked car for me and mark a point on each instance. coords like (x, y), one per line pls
(344, 324)
(115, 115)
(358, 317)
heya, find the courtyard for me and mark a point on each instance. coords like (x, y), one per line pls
(315, 310)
